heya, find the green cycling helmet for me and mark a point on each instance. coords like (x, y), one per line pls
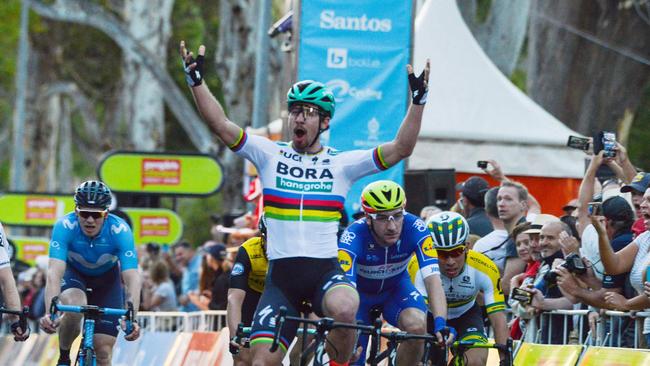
(448, 230)
(382, 195)
(312, 92)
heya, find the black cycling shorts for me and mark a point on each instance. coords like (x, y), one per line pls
(289, 283)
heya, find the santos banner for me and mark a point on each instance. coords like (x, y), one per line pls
(360, 52)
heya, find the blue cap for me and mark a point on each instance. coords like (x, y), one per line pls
(639, 184)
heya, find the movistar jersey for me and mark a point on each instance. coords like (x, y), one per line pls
(480, 274)
(304, 193)
(374, 268)
(93, 256)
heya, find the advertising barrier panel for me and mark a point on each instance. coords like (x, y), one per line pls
(34, 209)
(160, 173)
(155, 225)
(28, 248)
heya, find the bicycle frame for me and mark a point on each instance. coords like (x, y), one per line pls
(91, 313)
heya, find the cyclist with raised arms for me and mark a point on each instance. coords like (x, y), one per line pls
(305, 185)
(85, 250)
(374, 253)
(9, 290)
(465, 273)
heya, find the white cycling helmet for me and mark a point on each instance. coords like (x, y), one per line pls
(448, 230)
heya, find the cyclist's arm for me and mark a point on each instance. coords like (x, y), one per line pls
(436, 295)
(237, 289)
(55, 271)
(133, 285)
(402, 146)
(214, 115)
(9, 291)
(233, 310)
(500, 326)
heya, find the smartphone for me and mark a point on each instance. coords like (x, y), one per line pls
(482, 164)
(595, 209)
(580, 143)
(522, 296)
(605, 140)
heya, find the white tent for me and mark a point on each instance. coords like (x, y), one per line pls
(475, 113)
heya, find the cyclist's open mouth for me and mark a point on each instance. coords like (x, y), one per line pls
(299, 132)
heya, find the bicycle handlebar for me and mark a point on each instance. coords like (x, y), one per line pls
(93, 310)
(322, 325)
(22, 315)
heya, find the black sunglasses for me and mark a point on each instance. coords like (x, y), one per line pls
(94, 214)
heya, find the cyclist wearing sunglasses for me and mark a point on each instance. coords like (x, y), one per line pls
(465, 273)
(85, 249)
(305, 185)
(374, 252)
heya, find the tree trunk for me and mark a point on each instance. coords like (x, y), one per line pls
(586, 61)
(149, 22)
(85, 12)
(501, 35)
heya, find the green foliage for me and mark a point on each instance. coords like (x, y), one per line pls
(638, 146)
(9, 29)
(518, 78)
(482, 10)
(195, 215)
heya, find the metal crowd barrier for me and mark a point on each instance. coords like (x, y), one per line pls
(179, 321)
(611, 328)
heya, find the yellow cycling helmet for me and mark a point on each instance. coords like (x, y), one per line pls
(382, 195)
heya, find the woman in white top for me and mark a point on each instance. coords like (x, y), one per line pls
(634, 258)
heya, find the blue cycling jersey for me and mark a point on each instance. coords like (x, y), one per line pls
(374, 268)
(94, 256)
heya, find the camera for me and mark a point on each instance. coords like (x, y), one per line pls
(521, 295)
(595, 209)
(573, 263)
(577, 142)
(482, 164)
(605, 140)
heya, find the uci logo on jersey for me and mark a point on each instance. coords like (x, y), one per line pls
(292, 156)
(345, 260)
(427, 248)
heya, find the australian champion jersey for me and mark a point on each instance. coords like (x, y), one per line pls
(93, 256)
(480, 274)
(304, 193)
(375, 268)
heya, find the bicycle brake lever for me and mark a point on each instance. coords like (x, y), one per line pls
(130, 314)
(53, 310)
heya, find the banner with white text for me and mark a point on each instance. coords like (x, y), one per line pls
(360, 52)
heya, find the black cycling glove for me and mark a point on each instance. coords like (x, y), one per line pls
(419, 89)
(194, 77)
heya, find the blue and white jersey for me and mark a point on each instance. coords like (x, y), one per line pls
(94, 256)
(374, 268)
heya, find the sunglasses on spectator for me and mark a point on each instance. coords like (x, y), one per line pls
(453, 253)
(305, 110)
(385, 218)
(94, 214)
